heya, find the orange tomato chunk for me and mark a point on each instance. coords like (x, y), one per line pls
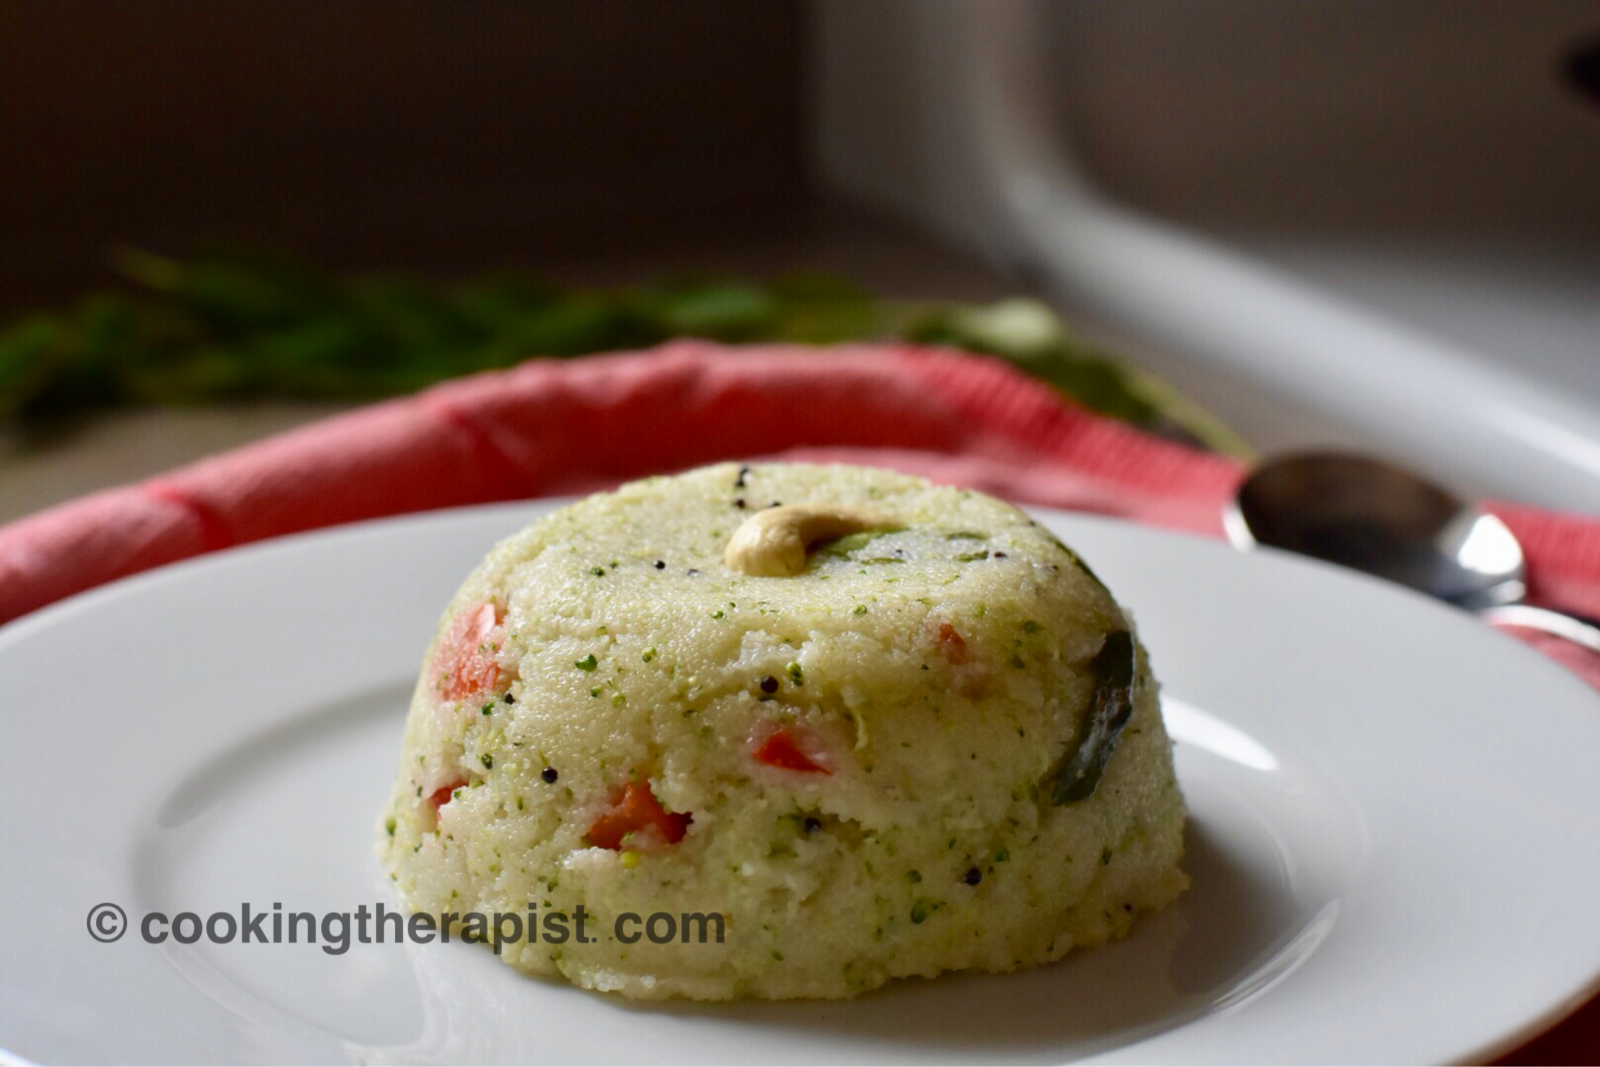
(466, 657)
(952, 646)
(781, 749)
(637, 819)
(442, 796)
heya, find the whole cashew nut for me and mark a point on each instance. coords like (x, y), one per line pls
(772, 543)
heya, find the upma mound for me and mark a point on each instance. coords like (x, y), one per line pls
(929, 742)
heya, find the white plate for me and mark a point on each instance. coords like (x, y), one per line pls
(1391, 840)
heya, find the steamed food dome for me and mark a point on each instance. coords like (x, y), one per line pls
(861, 726)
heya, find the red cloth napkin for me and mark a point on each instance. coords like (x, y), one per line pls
(551, 427)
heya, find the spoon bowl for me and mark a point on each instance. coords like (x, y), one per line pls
(1372, 516)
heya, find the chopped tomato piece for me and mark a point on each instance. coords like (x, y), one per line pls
(952, 646)
(466, 657)
(638, 818)
(782, 750)
(972, 675)
(441, 796)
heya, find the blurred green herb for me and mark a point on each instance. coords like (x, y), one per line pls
(232, 326)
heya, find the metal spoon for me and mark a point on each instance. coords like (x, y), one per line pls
(1366, 514)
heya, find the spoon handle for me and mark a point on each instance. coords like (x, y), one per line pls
(1574, 628)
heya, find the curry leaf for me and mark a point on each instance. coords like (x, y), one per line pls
(1110, 708)
(228, 325)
